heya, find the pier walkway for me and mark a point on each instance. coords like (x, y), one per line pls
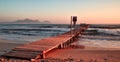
(41, 47)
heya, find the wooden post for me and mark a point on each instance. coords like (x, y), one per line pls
(71, 27)
(43, 54)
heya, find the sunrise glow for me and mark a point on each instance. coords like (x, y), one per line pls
(59, 11)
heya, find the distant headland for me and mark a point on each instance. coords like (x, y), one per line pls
(27, 21)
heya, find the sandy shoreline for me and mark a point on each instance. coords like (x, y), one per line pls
(85, 54)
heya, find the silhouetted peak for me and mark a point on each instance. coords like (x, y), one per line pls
(27, 20)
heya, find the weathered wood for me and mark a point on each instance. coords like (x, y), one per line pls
(22, 54)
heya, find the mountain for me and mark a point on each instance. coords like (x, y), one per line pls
(27, 21)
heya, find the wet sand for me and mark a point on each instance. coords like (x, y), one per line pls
(72, 53)
(85, 53)
(89, 54)
(7, 45)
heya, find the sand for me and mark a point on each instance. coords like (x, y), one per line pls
(73, 54)
(86, 55)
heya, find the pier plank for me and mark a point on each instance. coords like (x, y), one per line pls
(23, 54)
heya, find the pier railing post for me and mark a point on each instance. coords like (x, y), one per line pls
(71, 26)
(43, 54)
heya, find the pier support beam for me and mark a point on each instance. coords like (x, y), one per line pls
(60, 46)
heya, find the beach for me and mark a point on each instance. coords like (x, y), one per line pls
(59, 30)
(72, 53)
(95, 45)
(86, 55)
(89, 48)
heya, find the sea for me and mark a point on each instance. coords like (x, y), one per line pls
(107, 36)
(31, 32)
(103, 36)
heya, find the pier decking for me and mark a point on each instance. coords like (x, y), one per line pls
(41, 47)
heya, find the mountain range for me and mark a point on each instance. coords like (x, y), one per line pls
(27, 21)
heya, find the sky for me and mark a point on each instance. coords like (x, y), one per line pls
(60, 11)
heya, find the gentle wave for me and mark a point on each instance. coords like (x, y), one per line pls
(30, 32)
(99, 43)
(112, 32)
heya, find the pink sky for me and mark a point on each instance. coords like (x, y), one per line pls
(55, 11)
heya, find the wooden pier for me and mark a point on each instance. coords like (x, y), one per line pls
(41, 47)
